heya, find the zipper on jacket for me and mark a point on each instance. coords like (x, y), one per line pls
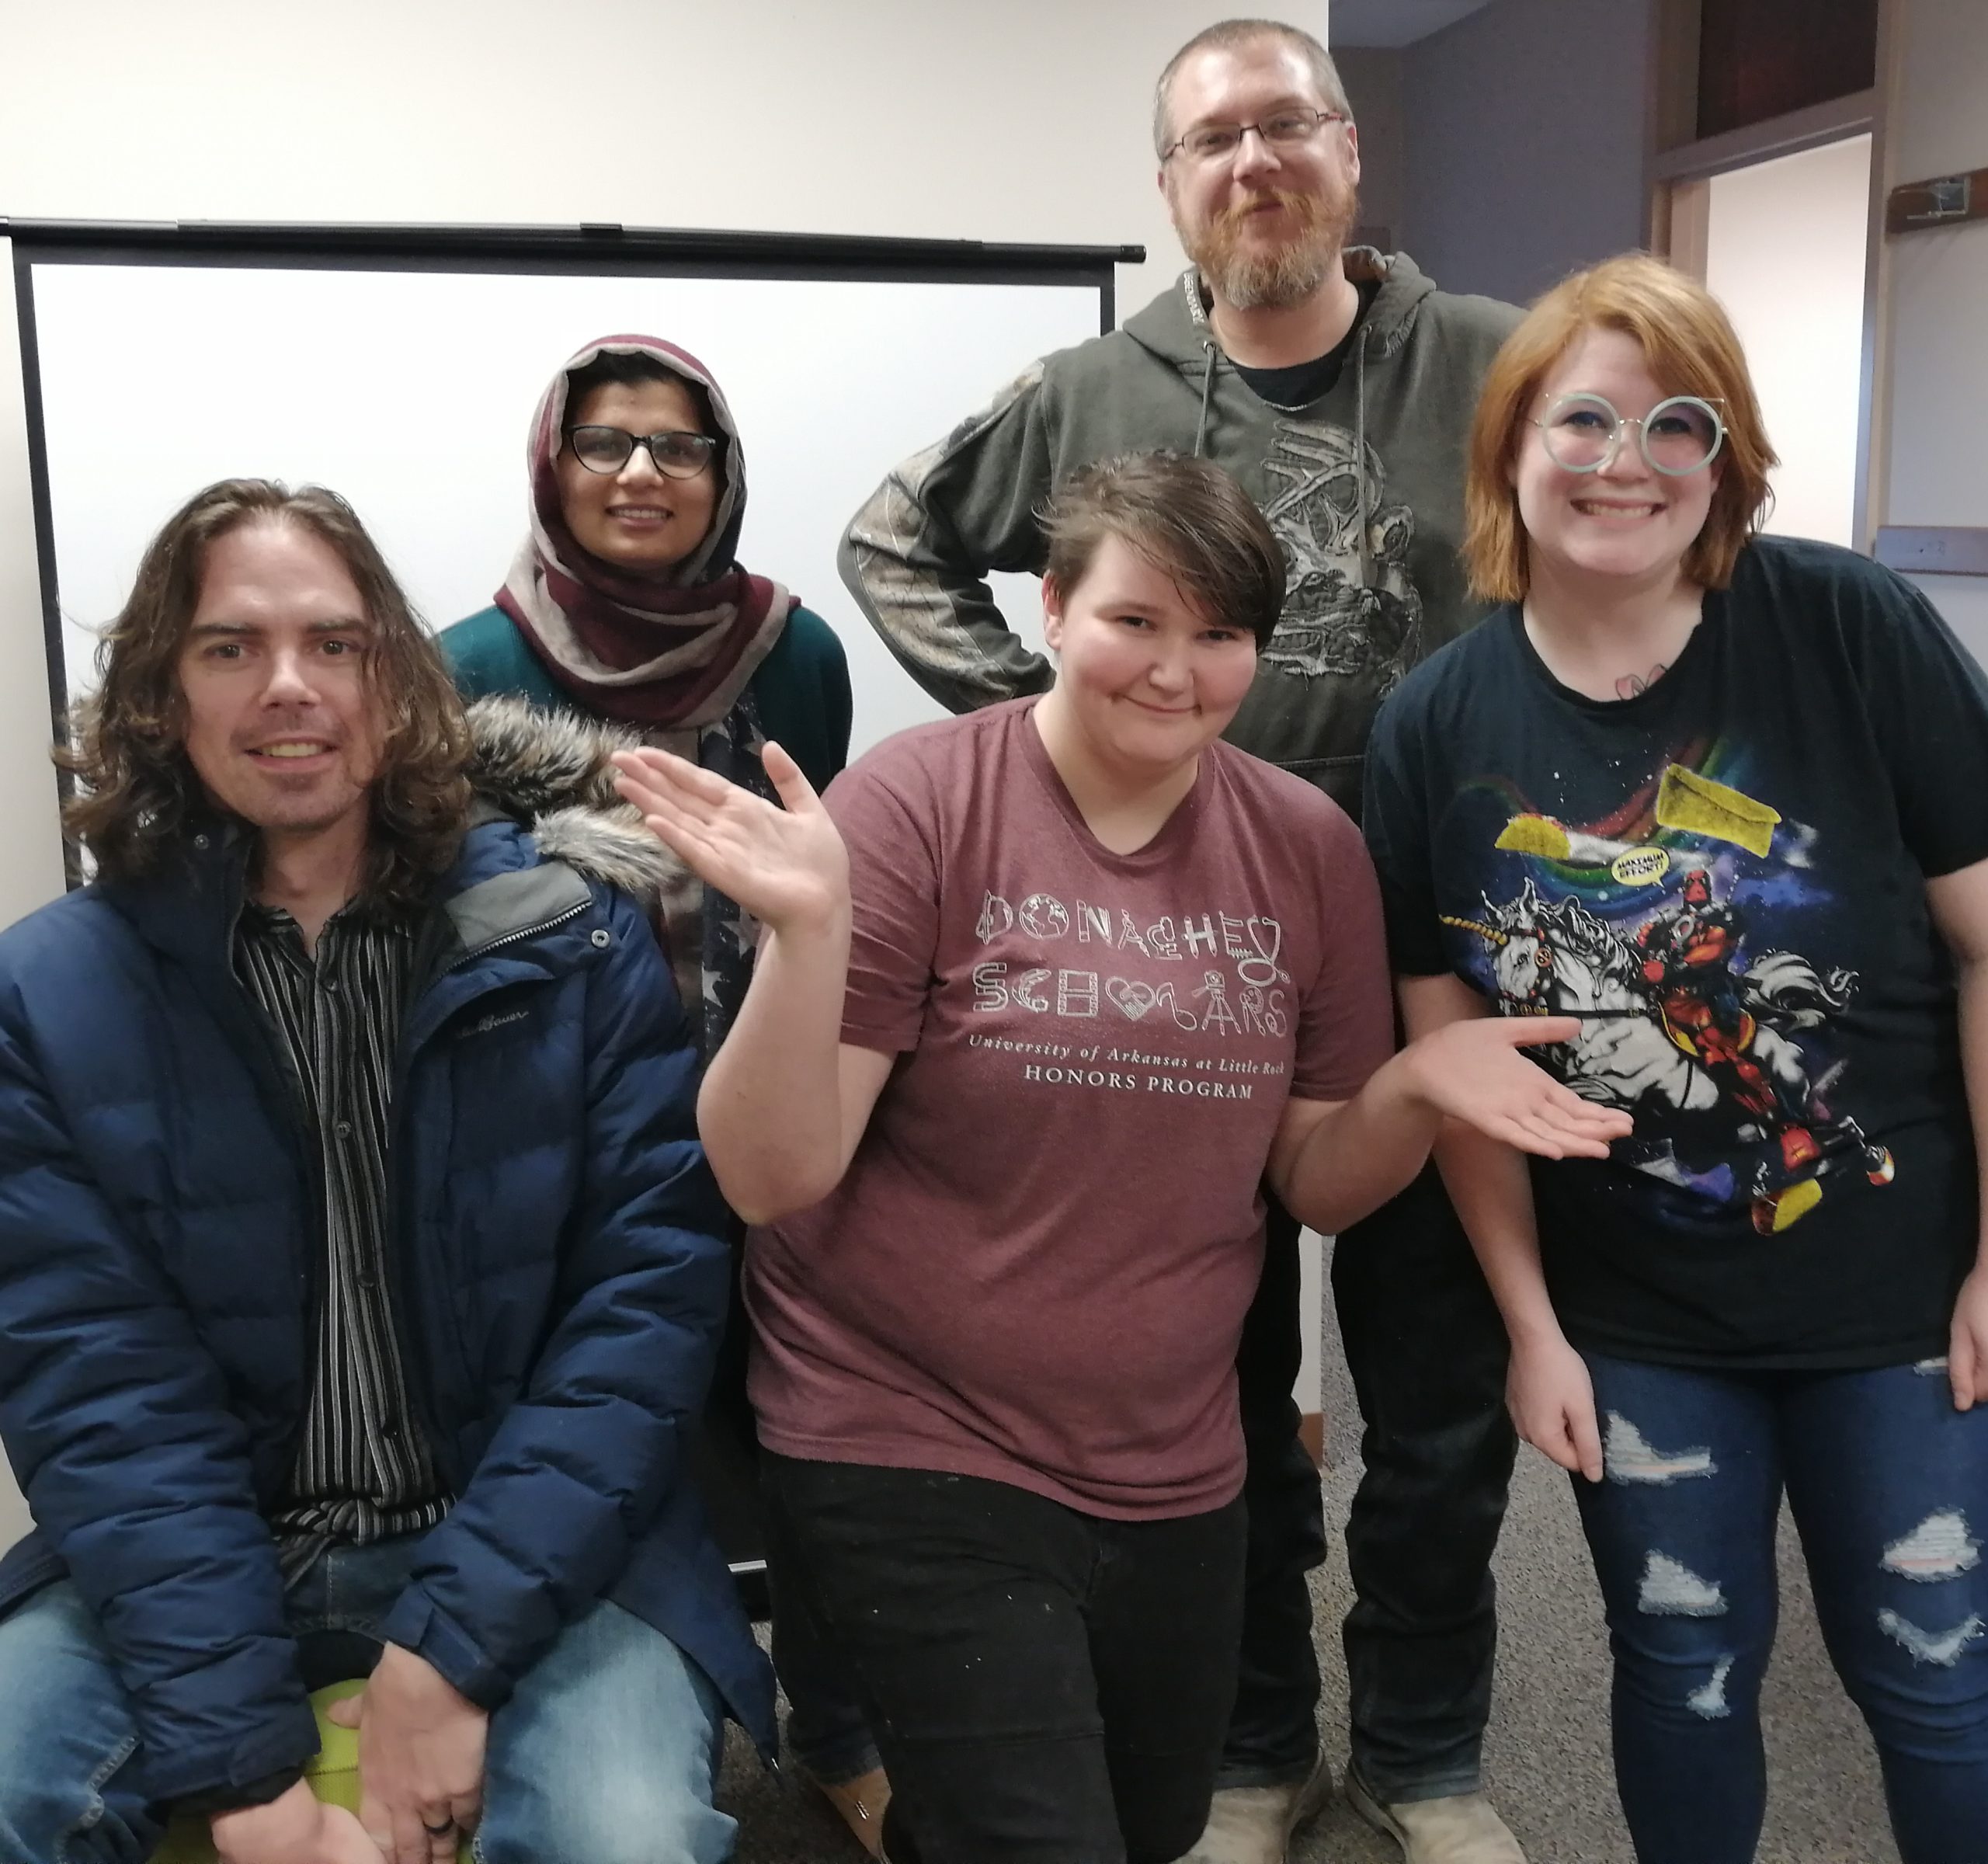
(394, 1224)
(511, 938)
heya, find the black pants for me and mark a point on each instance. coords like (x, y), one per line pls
(1046, 1687)
(1427, 1353)
(1273, 1735)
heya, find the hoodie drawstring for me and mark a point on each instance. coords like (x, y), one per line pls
(1208, 395)
(1360, 460)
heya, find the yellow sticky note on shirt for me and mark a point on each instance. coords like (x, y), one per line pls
(1699, 806)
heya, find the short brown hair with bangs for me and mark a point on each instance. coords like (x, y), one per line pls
(137, 789)
(1692, 350)
(1186, 516)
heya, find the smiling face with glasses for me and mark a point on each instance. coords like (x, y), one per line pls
(1614, 470)
(638, 477)
(1260, 172)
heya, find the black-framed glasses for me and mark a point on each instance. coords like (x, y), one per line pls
(1583, 434)
(605, 450)
(1214, 141)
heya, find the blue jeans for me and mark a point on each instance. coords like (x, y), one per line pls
(606, 1752)
(1889, 1486)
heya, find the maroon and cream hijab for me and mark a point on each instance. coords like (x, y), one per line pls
(670, 647)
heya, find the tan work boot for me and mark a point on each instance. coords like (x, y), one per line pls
(1460, 1828)
(862, 1803)
(1254, 1824)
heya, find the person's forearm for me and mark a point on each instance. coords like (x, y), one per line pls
(769, 1111)
(1491, 1187)
(1972, 981)
(920, 576)
(1362, 1154)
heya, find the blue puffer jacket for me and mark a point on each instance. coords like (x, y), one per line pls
(561, 1281)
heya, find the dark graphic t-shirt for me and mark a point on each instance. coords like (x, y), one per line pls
(1037, 1266)
(1725, 879)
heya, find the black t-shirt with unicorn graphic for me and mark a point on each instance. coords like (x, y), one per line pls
(1724, 878)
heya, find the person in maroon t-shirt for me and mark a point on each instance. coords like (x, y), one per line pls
(1044, 993)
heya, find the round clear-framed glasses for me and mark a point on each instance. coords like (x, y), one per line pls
(1217, 141)
(605, 450)
(1583, 434)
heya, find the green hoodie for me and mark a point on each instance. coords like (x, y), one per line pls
(1365, 489)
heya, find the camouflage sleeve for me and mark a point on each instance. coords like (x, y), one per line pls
(917, 555)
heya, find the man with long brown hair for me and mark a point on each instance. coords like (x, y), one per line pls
(360, 1269)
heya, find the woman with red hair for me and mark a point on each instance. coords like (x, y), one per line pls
(1723, 799)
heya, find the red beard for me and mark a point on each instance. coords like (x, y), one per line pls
(1247, 273)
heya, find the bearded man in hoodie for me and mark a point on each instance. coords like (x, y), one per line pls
(1337, 383)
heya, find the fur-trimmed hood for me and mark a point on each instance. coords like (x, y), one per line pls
(549, 771)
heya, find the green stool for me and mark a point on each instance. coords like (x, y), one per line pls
(333, 1774)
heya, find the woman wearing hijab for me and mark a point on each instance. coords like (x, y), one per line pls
(627, 604)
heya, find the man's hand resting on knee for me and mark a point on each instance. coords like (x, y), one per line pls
(293, 1828)
(420, 1759)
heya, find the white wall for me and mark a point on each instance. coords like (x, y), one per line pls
(935, 118)
(1784, 252)
(1933, 369)
(948, 119)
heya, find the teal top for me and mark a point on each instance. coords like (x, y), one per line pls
(801, 688)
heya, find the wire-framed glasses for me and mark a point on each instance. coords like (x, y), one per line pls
(1217, 141)
(1583, 434)
(605, 450)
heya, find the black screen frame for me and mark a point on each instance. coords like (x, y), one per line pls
(604, 250)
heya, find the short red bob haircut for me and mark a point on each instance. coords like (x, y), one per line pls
(1692, 350)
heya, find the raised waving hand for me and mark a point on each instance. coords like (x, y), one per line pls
(786, 865)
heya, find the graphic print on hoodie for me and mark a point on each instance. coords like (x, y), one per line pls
(1363, 489)
(1351, 610)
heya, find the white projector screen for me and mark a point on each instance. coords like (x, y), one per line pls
(408, 390)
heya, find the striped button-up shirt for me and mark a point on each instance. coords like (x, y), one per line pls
(363, 1470)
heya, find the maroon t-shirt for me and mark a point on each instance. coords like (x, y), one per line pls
(1037, 1267)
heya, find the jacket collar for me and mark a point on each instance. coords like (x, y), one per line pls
(186, 906)
(490, 900)
(498, 889)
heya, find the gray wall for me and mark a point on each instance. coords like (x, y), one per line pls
(1523, 143)
(1372, 80)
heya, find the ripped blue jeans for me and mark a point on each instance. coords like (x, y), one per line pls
(1889, 1486)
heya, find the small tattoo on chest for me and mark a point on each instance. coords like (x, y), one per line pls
(1631, 684)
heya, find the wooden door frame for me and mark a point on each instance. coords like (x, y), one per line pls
(1679, 165)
